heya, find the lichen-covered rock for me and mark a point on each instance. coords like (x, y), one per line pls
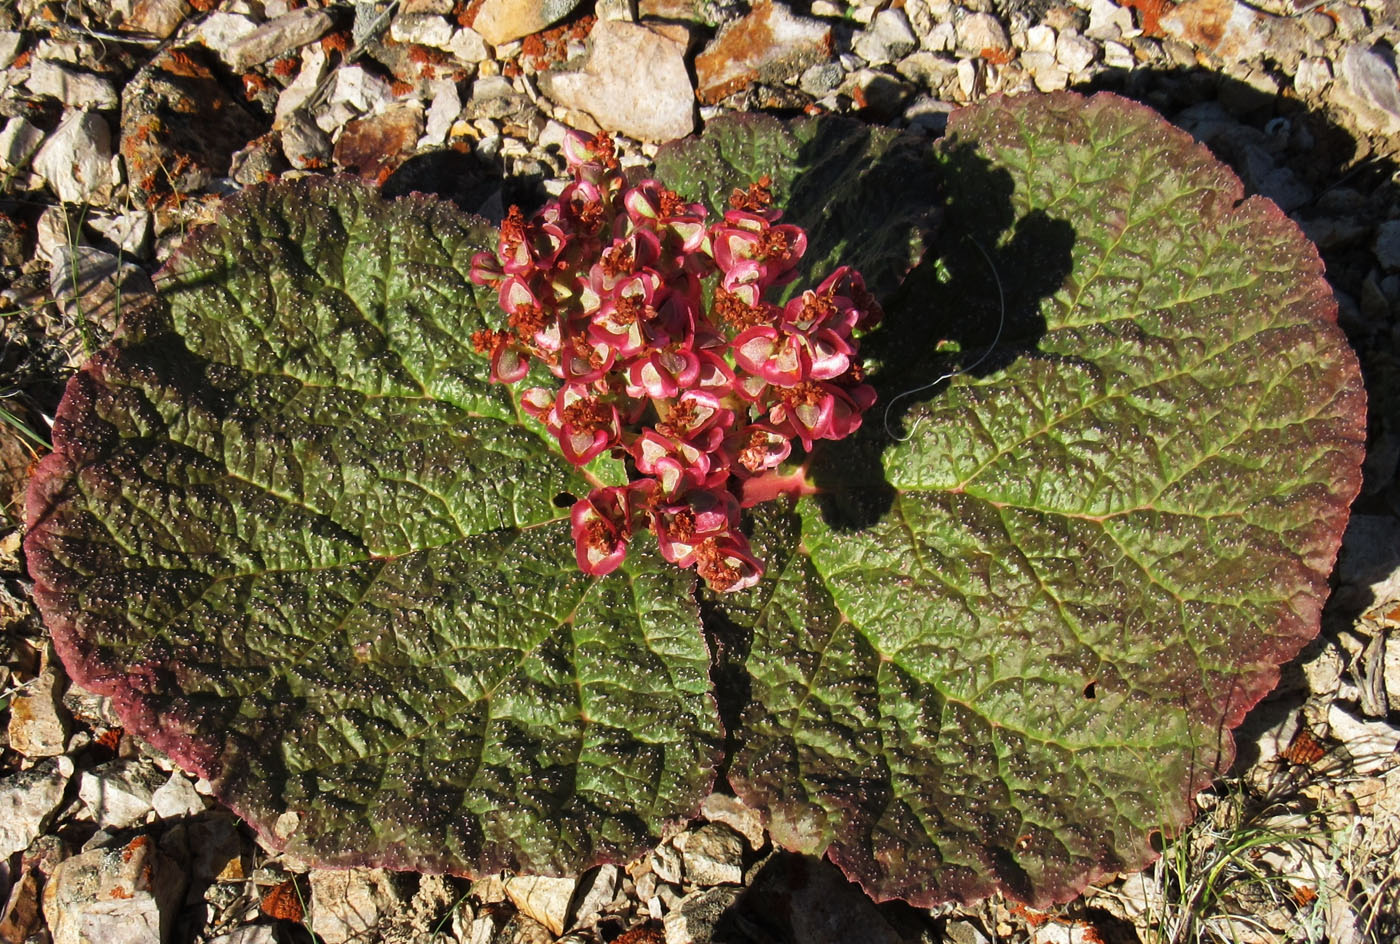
(124, 895)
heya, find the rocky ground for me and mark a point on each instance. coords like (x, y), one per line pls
(125, 123)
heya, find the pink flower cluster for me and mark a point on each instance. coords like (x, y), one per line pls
(606, 286)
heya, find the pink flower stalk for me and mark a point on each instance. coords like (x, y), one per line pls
(605, 287)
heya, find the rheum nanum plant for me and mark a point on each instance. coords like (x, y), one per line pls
(603, 286)
(308, 547)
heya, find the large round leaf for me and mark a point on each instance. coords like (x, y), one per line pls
(1009, 639)
(308, 550)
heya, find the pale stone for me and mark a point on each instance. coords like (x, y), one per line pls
(1371, 744)
(220, 30)
(158, 18)
(18, 144)
(666, 862)
(544, 899)
(979, 31)
(423, 29)
(72, 87)
(300, 89)
(126, 895)
(1233, 31)
(468, 46)
(769, 44)
(1369, 88)
(28, 800)
(441, 7)
(277, 37)
(888, 39)
(1118, 56)
(732, 812)
(76, 161)
(1074, 52)
(248, 934)
(447, 105)
(10, 41)
(38, 721)
(1107, 20)
(176, 798)
(118, 794)
(596, 890)
(1313, 76)
(94, 286)
(1040, 39)
(348, 905)
(713, 855)
(500, 21)
(693, 920)
(361, 90)
(635, 81)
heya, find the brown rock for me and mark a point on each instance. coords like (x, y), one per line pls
(372, 147)
(770, 45)
(158, 18)
(38, 720)
(22, 915)
(179, 126)
(1231, 30)
(635, 81)
(500, 21)
(284, 34)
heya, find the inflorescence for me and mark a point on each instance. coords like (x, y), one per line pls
(606, 285)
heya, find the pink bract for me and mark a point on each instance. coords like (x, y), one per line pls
(605, 286)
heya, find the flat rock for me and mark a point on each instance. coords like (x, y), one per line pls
(126, 895)
(888, 38)
(177, 798)
(635, 81)
(38, 721)
(468, 46)
(1075, 52)
(10, 43)
(119, 793)
(165, 148)
(768, 45)
(27, 801)
(94, 286)
(544, 899)
(425, 29)
(1369, 88)
(76, 160)
(713, 855)
(373, 147)
(731, 811)
(277, 37)
(979, 32)
(1233, 31)
(220, 30)
(19, 142)
(248, 934)
(73, 87)
(500, 21)
(1371, 744)
(349, 904)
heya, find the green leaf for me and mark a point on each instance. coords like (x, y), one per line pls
(1002, 653)
(305, 546)
(865, 195)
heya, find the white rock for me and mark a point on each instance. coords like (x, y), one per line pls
(38, 721)
(77, 159)
(1370, 89)
(72, 87)
(1118, 56)
(423, 29)
(361, 90)
(1074, 52)
(1371, 744)
(942, 38)
(348, 905)
(468, 46)
(177, 797)
(979, 31)
(447, 105)
(927, 69)
(635, 81)
(118, 794)
(220, 30)
(126, 895)
(277, 37)
(1313, 76)
(18, 143)
(1048, 75)
(1040, 39)
(410, 7)
(731, 811)
(1107, 20)
(313, 69)
(967, 77)
(10, 41)
(542, 898)
(130, 230)
(27, 801)
(666, 862)
(888, 38)
(694, 918)
(713, 855)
